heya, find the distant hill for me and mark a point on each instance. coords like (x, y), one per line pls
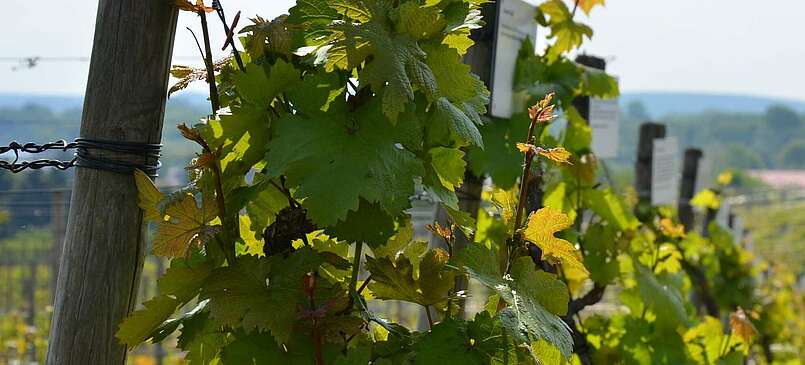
(57, 103)
(659, 104)
(60, 103)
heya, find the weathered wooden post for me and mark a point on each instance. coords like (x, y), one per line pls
(649, 131)
(687, 188)
(103, 251)
(58, 220)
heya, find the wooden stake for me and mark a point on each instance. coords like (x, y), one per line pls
(645, 150)
(688, 187)
(58, 220)
(103, 251)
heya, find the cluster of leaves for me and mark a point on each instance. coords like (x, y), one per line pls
(652, 262)
(342, 111)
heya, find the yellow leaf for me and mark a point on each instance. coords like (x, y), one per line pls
(558, 154)
(670, 229)
(506, 201)
(742, 326)
(197, 7)
(148, 196)
(588, 5)
(524, 147)
(724, 178)
(706, 199)
(540, 230)
(186, 226)
(542, 112)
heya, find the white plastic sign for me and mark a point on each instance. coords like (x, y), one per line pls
(516, 21)
(665, 171)
(604, 125)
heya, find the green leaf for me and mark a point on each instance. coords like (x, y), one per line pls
(434, 280)
(260, 88)
(663, 299)
(403, 244)
(240, 296)
(449, 166)
(178, 286)
(202, 339)
(418, 21)
(456, 82)
(446, 112)
(549, 291)
(369, 224)
(525, 316)
(355, 152)
(601, 253)
(397, 279)
(447, 343)
(611, 208)
(393, 279)
(499, 158)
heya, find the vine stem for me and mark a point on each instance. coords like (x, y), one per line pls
(353, 281)
(208, 63)
(575, 6)
(527, 160)
(427, 313)
(364, 284)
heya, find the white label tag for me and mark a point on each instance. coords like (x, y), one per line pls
(515, 23)
(664, 171)
(604, 125)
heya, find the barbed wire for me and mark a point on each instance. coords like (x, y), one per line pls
(83, 158)
(16, 166)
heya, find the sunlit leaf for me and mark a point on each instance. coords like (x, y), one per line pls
(540, 230)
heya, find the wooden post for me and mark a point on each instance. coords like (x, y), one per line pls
(649, 131)
(582, 103)
(687, 188)
(103, 251)
(58, 221)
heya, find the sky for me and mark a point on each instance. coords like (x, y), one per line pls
(714, 46)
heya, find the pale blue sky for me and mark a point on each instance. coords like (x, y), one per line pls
(719, 46)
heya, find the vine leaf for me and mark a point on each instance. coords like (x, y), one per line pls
(568, 33)
(706, 199)
(199, 6)
(540, 230)
(395, 279)
(529, 294)
(187, 226)
(742, 326)
(178, 286)
(549, 291)
(240, 294)
(449, 165)
(482, 341)
(663, 299)
(148, 196)
(588, 5)
(556, 154)
(318, 151)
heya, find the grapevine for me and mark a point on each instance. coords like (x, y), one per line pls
(342, 111)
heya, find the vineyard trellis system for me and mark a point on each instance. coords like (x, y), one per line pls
(322, 130)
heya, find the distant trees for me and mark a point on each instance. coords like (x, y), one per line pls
(792, 156)
(783, 119)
